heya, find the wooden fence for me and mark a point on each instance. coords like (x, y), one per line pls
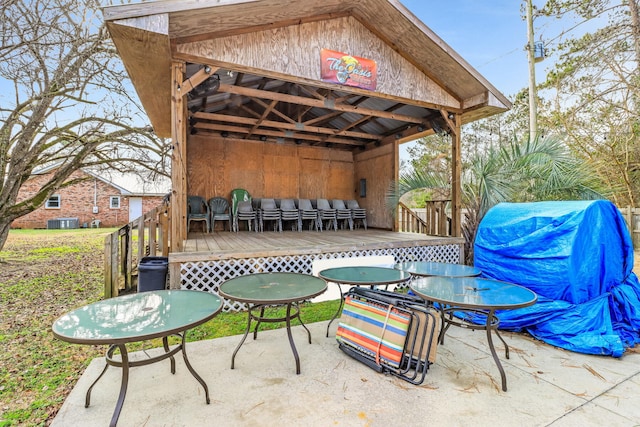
(148, 235)
(632, 218)
(431, 220)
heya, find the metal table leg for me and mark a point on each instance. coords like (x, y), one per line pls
(125, 364)
(244, 337)
(293, 345)
(339, 308)
(492, 323)
(290, 307)
(198, 378)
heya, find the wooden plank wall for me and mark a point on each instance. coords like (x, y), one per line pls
(376, 166)
(295, 51)
(218, 165)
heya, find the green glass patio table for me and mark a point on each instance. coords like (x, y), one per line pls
(263, 290)
(426, 268)
(459, 298)
(361, 276)
(138, 317)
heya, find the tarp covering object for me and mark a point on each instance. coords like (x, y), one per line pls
(578, 257)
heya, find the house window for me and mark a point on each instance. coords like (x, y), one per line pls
(114, 202)
(53, 202)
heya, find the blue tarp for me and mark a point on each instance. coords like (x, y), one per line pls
(578, 257)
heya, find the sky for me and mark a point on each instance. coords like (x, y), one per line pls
(491, 36)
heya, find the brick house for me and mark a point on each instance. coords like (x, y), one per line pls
(95, 200)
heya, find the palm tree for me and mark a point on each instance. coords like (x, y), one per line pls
(530, 170)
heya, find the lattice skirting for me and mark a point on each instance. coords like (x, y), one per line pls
(209, 275)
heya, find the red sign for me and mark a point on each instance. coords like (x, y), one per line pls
(337, 67)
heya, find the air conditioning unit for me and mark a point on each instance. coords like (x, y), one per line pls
(62, 223)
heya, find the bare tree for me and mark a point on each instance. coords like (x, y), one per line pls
(65, 100)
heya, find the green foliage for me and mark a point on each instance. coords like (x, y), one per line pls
(430, 153)
(517, 171)
(421, 198)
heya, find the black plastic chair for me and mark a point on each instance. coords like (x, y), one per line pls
(219, 208)
(197, 210)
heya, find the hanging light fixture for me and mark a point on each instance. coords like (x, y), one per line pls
(207, 87)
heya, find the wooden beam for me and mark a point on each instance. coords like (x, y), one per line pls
(327, 103)
(271, 108)
(297, 127)
(323, 118)
(278, 134)
(192, 82)
(450, 123)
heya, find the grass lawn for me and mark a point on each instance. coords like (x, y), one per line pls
(43, 274)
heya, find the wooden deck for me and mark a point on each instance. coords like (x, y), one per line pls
(225, 245)
(211, 259)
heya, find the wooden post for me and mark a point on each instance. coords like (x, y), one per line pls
(396, 178)
(128, 278)
(178, 160)
(141, 238)
(456, 183)
(153, 230)
(108, 279)
(115, 265)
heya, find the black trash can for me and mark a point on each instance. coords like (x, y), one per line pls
(152, 273)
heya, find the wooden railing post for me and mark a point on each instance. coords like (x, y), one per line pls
(436, 222)
(108, 262)
(120, 262)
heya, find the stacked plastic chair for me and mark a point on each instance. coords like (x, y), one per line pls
(357, 213)
(242, 210)
(343, 214)
(326, 214)
(270, 212)
(290, 213)
(308, 213)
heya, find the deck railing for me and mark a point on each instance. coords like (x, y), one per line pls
(435, 221)
(148, 235)
(632, 218)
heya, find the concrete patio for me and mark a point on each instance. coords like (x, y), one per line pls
(547, 386)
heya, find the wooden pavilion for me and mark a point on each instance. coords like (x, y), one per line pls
(292, 99)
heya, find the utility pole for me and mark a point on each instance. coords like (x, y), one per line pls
(533, 98)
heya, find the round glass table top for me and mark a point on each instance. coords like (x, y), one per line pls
(473, 292)
(364, 275)
(273, 288)
(137, 317)
(424, 268)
